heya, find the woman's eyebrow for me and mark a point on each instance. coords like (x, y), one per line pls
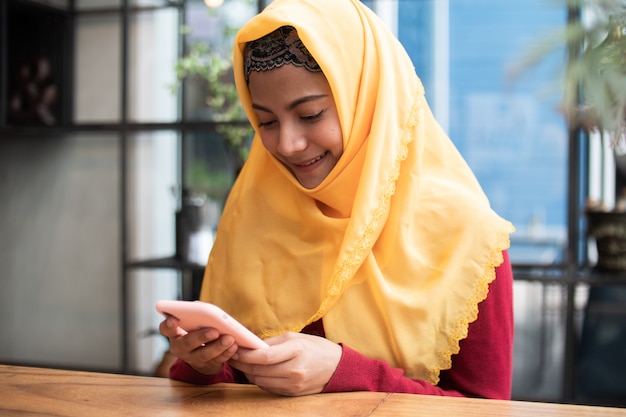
(293, 104)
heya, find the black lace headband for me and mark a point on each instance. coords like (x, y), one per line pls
(283, 46)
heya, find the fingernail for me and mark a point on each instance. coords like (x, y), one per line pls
(227, 340)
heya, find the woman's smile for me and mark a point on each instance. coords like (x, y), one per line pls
(298, 121)
(311, 164)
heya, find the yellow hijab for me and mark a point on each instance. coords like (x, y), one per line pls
(399, 273)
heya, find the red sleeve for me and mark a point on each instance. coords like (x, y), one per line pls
(181, 371)
(482, 368)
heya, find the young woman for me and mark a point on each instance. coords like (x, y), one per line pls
(356, 240)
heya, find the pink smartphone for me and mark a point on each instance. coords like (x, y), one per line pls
(193, 315)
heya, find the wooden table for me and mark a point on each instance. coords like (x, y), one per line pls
(28, 391)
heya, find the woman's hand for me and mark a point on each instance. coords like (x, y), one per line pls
(204, 350)
(294, 364)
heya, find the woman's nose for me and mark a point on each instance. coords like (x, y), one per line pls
(291, 140)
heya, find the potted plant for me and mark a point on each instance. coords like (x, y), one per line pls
(207, 68)
(594, 101)
(600, 70)
(215, 70)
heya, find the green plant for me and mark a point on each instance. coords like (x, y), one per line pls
(594, 100)
(600, 69)
(221, 95)
(594, 76)
(214, 184)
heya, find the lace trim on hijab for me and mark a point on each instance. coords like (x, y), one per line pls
(481, 290)
(353, 260)
(281, 47)
(349, 265)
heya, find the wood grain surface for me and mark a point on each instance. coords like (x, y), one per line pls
(26, 391)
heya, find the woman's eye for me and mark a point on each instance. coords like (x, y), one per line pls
(313, 117)
(269, 123)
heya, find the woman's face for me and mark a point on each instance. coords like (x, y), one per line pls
(298, 121)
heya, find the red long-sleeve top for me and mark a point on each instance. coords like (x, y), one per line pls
(482, 368)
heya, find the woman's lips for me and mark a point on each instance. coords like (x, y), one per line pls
(311, 162)
(309, 165)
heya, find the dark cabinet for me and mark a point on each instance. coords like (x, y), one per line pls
(37, 49)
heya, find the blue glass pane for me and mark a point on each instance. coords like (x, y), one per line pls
(510, 132)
